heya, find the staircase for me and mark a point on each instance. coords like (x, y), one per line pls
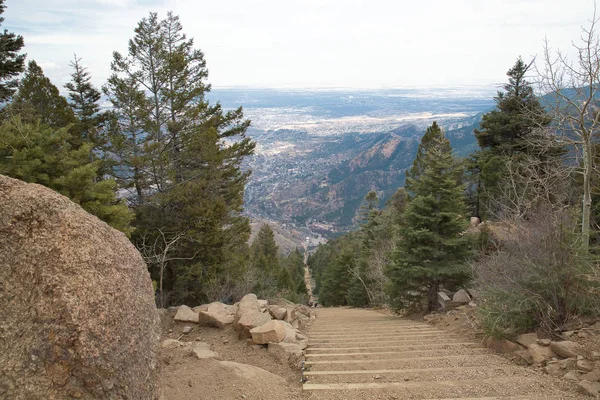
(362, 354)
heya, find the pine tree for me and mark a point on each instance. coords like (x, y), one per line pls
(37, 153)
(432, 250)
(504, 131)
(180, 154)
(11, 62)
(84, 100)
(417, 168)
(39, 100)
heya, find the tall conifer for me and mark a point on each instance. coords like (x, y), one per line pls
(432, 250)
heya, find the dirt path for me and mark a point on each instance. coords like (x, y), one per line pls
(361, 354)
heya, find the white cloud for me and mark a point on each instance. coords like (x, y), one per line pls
(351, 43)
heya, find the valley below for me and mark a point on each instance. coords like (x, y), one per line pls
(319, 152)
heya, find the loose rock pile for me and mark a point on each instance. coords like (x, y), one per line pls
(558, 358)
(275, 323)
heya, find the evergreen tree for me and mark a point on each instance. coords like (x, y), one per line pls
(432, 250)
(37, 153)
(11, 62)
(504, 130)
(418, 165)
(84, 100)
(39, 100)
(181, 154)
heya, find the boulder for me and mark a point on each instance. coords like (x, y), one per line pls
(78, 313)
(540, 354)
(501, 345)
(443, 299)
(277, 312)
(248, 304)
(263, 304)
(544, 342)
(249, 315)
(585, 365)
(287, 352)
(588, 388)
(203, 307)
(201, 350)
(593, 376)
(565, 349)
(461, 297)
(281, 302)
(271, 332)
(216, 320)
(524, 357)
(474, 222)
(526, 339)
(571, 376)
(554, 369)
(186, 314)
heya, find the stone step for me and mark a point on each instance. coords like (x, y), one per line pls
(374, 338)
(403, 359)
(478, 360)
(390, 342)
(391, 354)
(325, 350)
(387, 332)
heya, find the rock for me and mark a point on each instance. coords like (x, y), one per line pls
(544, 342)
(443, 299)
(474, 222)
(474, 293)
(461, 297)
(571, 376)
(203, 307)
(171, 343)
(277, 312)
(253, 374)
(501, 345)
(539, 353)
(581, 335)
(281, 302)
(214, 319)
(186, 329)
(554, 369)
(287, 352)
(526, 339)
(75, 294)
(249, 315)
(263, 304)
(524, 357)
(588, 388)
(585, 365)
(568, 334)
(201, 350)
(593, 376)
(565, 349)
(186, 314)
(271, 332)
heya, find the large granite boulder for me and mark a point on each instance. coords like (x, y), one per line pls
(78, 318)
(249, 315)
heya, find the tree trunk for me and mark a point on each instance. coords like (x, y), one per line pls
(587, 192)
(432, 297)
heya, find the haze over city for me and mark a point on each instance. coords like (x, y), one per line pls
(325, 43)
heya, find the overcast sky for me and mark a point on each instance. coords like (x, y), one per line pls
(311, 43)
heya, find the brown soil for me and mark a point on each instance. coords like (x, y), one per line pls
(186, 378)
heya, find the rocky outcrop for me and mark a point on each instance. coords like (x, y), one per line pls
(78, 318)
